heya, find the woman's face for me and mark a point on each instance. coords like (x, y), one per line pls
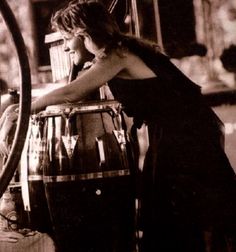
(78, 45)
(75, 46)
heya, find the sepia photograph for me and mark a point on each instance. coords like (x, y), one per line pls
(118, 126)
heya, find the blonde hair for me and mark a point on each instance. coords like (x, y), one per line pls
(90, 16)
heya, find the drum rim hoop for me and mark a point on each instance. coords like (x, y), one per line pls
(81, 107)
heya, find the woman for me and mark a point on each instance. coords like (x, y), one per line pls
(188, 182)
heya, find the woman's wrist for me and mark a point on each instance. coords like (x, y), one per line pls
(39, 104)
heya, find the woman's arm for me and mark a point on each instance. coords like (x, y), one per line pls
(99, 73)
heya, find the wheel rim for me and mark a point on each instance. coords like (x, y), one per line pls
(25, 98)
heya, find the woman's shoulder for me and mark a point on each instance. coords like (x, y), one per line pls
(113, 61)
(133, 67)
(121, 57)
(130, 61)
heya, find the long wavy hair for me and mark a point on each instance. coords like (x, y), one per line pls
(93, 18)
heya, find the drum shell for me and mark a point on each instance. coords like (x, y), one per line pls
(32, 167)
(39, 217)
(91, 200)
(93, 215)
(88, 128)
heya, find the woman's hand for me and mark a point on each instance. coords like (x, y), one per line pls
(7, 122)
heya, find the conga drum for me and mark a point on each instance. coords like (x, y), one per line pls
(31, 179)
(88, 177)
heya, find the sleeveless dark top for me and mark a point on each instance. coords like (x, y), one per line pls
(186, 172)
